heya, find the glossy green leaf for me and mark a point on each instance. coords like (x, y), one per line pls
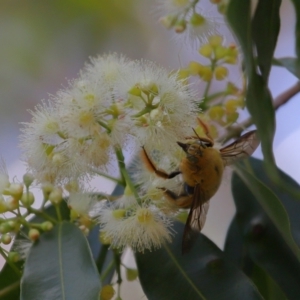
(236, 250)
(268, 219)
(259, 100)
(297, 28)
(269, 201)
(202, 273)
(265, 29)
(290, 63)
(9, 281)
(266, 285)
(60, 266)
(9, 284)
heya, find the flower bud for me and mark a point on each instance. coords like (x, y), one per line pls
(13, 225)
(3, 205)
(12, 204)
(206, 50)
(13, 257)
(232, 117)
(33, 234)
(221, 72)
(47, 226)
(131, 274)
(56, 195)
(215, 40)
(47, 188)
(4, 228)
(6, 238)
(28, 179)
(107, 292)
(206, 73)
(15, 190)
(27, 199)
(195, 68)
(216, 112)
(220, 52)
(231, 106)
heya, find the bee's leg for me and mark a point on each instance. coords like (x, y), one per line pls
(151, 167)
(182, 201)
(206, 131)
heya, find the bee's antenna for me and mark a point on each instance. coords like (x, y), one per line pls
(196, 134)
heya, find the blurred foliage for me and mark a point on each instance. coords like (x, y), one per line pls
(44, 42)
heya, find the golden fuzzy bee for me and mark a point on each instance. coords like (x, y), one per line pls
(202, 169)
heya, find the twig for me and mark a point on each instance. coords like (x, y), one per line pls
(235, 131)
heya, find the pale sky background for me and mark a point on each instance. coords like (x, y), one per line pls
(152, 42)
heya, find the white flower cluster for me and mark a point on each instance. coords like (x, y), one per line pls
(113, 103)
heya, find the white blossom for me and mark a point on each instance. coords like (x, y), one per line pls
(141, 228)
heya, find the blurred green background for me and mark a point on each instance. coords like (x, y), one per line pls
(45, 43)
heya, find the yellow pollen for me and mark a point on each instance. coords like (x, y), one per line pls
(144, 215)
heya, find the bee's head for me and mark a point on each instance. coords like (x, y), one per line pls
(194, 148)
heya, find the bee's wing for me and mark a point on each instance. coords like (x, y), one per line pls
(243, 147)
(196, 219)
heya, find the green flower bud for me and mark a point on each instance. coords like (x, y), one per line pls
(15, 190)
(131, 274)
(206, 50)
(6, 239)
(28, 179)
(107, 292)
(215, 40)
(33, 234)
(221, 72)
(27, 199)
(13, 257)
(56, 195)
(47, 226)
(216, 112)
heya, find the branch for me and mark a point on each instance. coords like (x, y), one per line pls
(235, 131)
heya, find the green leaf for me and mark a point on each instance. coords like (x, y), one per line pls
(9, 284)
(265, 29)
(203, 273)
(297, 28)
(259, 100)
(9, 281)
(236, 250)
(268, 219)
(60, 266)
(266, 285)
(267, 199)
(290, 63)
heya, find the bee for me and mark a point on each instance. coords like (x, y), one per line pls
(201, 169)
